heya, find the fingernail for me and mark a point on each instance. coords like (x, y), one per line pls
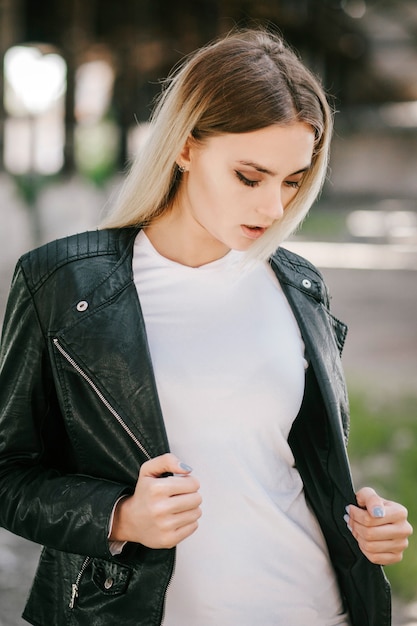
(347, 520)
(185, 467)
(347, 508)
(378, 511)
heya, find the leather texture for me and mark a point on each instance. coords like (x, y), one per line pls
(79, 414)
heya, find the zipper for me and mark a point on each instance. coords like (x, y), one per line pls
(98, 393)
(67, 357)
(74, 586)
(167, 587)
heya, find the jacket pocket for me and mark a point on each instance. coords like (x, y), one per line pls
(112, 579)
(98, 579)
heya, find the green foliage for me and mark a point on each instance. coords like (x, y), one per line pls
(96, 150)
(324, 224)
(383, 451)
(29, 186)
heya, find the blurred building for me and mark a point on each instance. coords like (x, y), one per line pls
(115, 54)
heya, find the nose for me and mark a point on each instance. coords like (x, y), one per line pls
(272, 205)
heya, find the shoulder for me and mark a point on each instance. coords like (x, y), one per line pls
(91, 248)
(295, 270)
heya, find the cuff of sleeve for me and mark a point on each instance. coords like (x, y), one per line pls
(115, 547)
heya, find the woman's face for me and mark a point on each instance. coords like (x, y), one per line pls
(237, 185)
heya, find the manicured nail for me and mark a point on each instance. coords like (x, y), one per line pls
(347, 520)
(185, 467)
(347, 508)
(378, 511)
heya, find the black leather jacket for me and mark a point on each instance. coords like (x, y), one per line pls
(79, 413)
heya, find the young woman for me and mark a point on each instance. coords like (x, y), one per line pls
(183, 336)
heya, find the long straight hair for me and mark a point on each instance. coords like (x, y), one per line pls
(243, 82)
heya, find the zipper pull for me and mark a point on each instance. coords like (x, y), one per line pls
(74, 595)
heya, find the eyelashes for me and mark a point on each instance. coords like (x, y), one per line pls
(293, 184)
(254, 183)
(246, 181)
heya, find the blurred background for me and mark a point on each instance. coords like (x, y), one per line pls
(77, 80)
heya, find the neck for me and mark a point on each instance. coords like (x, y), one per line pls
(179, 239)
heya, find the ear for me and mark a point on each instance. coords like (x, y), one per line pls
(184, 158)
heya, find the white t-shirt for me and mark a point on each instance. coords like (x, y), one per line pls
(229, 367)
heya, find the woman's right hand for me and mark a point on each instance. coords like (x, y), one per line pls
(163, 510)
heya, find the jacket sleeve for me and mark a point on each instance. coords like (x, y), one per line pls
(39, 500)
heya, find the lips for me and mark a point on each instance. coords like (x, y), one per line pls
(253, 232)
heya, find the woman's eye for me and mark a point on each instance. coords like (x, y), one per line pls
(294, 184)
(246, 181)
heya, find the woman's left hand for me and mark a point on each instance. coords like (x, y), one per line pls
(379, 526)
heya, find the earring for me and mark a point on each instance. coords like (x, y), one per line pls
(182, 169)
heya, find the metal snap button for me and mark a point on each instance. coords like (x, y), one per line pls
(306, 283)
(82, 305)
(108, 583)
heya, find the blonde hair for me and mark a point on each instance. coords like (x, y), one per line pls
(243, 82)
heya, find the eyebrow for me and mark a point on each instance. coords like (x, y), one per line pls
(265, 170)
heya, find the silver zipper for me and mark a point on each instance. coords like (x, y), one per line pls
(87, 560)
(102, 398)
(74, 586)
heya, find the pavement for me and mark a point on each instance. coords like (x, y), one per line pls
(374, 291)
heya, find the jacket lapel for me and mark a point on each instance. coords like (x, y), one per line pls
(320, 432)
(107, 340)
(323, 335)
